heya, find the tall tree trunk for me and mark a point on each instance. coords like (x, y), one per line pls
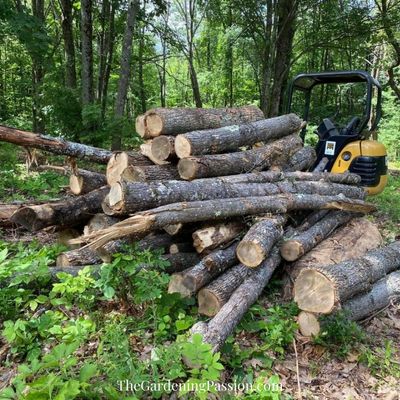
(142, 93)
(102, 45)
(125, 69)
(228, 61)
(87, 52)
(194, 81)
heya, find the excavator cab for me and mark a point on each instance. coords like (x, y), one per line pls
(348, 146)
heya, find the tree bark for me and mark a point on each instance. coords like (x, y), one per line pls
(54, 145)
(150, 173)
(302, 160)
(87, 52)
(258, 242)
(212, 236)
(163, 148)
(321, 289)
(6, 211)
(216, 331)
(231, 138)
(64, 213)
(82, 181)
(261, 158)
(173, 121)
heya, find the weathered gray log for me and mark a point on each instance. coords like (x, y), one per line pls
(118, 162)
(216, 331)
(163, 148)
(180, 261)
(66, 213)
(322, 288)
(129, 197)
(256, 245)
(99, 221)
(210, 210)
(150, 173)
(54, 145)
(302, 160)
(230, 138)
(295, 247)
(189, 281)
(172, 121)
(212, 297)
(82, 181)
(320, 167)
(258, 159)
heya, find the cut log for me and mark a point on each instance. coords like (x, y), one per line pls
(6, 211)
(302, 160)
(140, 126)
(66, 213)
(163, 148)
(216, 331)
(129, 197)
(150, 173)
(120, 161)
(212, 297)
(210, 237)
(78, 257)
(180, 261)
(173, 229)
(145, 149)
(256, 245)
(172, 121)
(192, 279)
(322, 288)
(99, 221)
(311, 220)
(320, 167)
(295, 247)
(184, 247)
(308, 324)
(211, 210)
(54, 145)
(82, 181)
(231, 138)
(274, 153)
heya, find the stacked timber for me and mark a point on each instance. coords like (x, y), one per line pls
(226, 197)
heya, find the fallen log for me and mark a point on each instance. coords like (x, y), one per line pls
(82, 181)
(216, 331)
(302, 160)
(6, 211)
(189, 281)
(210, 237)
(256, 245)
(198, 211)
(66, 213)
(99, 221)
(212, 297)
(65, 235)
(320, 167)
(172, 121)
(258, 159)
(231, 138)
(149, 173)
(295, 247)
(129, 197)
(321, 289)
(163, 148)
(118, 162)
(54, 145)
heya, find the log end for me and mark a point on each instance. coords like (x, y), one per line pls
(173, 229)
(291, 250)
(140, 126)
(63, 261)
(183, 148)
(116, 166)
(308, 324)
(161, 147)
(251, 254)
(154, 125)
(33, 218)
(76, 184)
(314, 292)
(175, 286)
(209, 304)
(116, 197)
(187, 168)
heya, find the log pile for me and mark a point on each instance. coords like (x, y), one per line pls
(227, 197)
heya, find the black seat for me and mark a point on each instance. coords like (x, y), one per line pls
(327, 129)
(351, 127)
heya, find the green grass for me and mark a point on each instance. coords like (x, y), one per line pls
(388, 202)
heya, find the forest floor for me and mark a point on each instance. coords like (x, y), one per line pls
(78, 338)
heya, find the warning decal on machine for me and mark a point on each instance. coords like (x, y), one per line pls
(330, 148)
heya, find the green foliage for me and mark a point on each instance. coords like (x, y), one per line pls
(388, 202)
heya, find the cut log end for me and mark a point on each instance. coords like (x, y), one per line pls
(308, 324)
(116, 197)
(291, 250)
(314, 292)
(63, 261)
(162, 147)
(116, 166)
(140, 126)
(176, 286)
(250, 254)
(154, 124)
(187, 168)
(183, 148)
(32, 218)
(209, 304)
(173, 229)
(76, 184)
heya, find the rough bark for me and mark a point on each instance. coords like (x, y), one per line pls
(99, 221)
(258, 242)
(64, 213)
(54, 145)
(119, 161)
(261, 158)
(295, 247)
(173, 121)
(302, 160)
(163, 148)
(180, 261)
(231, 138)
(82, 181)
(150, 173)
(87, 52)
(6, 211)
(320, 167)
(129, 197)
(212, 236)
(216, 331)
(211, 210)
(322, 288)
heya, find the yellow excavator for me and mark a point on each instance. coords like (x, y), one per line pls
(349, 147)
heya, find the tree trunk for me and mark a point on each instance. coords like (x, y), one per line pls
(295, 247)
(142, 93)
(54, 145)
(150, 173)
(87, 52)
(194, 81)
(82, 181)
(210, 210)
(261, 158)
(64, 213)
(173, 121)
(210, 237)
(231, 138)
(125, 70)
(163, 148)
(258, 242)
(302, 160)
(216, 331)
(322, 288)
